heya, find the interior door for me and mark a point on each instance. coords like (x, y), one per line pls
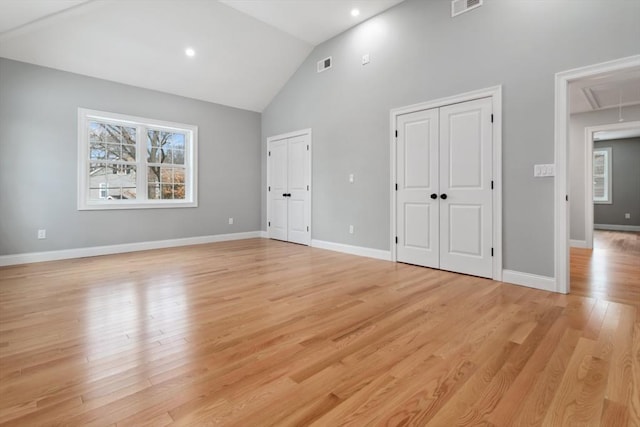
(465, 180)
(278, 177)
(298, 190)
(417, 193)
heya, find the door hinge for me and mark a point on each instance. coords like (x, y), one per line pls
(492, 184)
(491, 251)
(269, 153)
(492, 118)
(396, 240)
(307, 188)
(396, 133)
(566, 197)
(396, 186)
(307, 228)
(269, 223)
(269, 188)
(307, 147)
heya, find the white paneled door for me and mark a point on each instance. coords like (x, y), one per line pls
(444, 194)
(417, 179)
(289, 163)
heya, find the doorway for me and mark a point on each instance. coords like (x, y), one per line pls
(446, 184)
(606, 167)
(562, 197)
(289, 187)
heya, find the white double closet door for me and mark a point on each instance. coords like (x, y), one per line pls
(289, 197)
(444, 188)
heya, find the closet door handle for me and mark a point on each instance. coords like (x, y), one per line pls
(434, 196)
(443, 196)
(286, 195)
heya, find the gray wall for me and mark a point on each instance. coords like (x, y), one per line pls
(38, 145)
(577, 160)
(625, 165)
(418, 53)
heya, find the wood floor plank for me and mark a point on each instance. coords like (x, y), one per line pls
(261, 332)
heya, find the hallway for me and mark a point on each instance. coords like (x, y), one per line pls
(611, 271)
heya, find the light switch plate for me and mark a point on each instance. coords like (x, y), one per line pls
(544, 170)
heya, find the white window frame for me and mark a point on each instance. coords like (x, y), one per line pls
(608, 198)
(142, 124)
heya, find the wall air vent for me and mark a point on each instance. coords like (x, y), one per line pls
(462, 6)
(325, 64)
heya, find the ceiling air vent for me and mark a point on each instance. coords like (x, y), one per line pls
(325, 64)
(462, 6)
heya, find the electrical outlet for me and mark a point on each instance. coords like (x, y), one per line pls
(42, 233)
(351, 229)
(230, 221)
(627, 216)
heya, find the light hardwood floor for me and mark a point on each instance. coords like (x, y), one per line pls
(259, 332)
(611, 270)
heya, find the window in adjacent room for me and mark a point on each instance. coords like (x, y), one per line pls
(602, 175)
(127, 162)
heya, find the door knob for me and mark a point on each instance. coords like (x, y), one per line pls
(434, 196)
(443, 196)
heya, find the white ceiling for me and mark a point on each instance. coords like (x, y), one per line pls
(15, 13)
(245, 50)
(606, 91)
(312, 21)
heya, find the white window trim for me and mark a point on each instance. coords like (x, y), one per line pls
(141, 201)
(608, 199)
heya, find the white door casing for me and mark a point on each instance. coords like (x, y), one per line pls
(417, 180)
(466, 236)
(289, 187)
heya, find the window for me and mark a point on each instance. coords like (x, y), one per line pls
(127, 162)
(602, 175)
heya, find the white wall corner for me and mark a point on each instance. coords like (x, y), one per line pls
(530, 280)
(264, 234)
(32, 257)
(352, 250)
(578, 243)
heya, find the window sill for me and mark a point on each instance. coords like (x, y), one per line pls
(93, 206)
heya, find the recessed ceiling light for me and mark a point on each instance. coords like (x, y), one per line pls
(355, 12)
(190, 52)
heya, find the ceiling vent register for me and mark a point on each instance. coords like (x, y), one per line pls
(325, 64)
(462, 6)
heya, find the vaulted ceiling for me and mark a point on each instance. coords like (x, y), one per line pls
(245, 50)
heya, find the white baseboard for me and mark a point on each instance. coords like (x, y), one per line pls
(530, 280)
(264, 234)
(616, 227)
(578, 243)
(353, 250)
(31, 257)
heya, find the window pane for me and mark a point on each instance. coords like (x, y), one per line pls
(113, 142)
(178, 176)
(165, 183)
(599, 188)
(165, 147)
(97, 151)
(178, 157)
(112, 181)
